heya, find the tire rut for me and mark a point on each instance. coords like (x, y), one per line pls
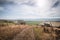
(26, 34)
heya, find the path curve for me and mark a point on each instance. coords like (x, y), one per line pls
(26, 34)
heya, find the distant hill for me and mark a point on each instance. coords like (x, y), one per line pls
(13, 21)
(45, 19)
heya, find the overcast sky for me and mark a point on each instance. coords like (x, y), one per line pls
(29, 9)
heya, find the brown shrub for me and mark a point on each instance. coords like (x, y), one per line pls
(8, 32)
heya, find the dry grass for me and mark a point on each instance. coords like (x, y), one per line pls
(40, 34)
(38, 31)
(8, 32)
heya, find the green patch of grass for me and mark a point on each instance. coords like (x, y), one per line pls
(33, 22)
(38, 33)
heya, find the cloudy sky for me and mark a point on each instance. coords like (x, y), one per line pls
(29, 9)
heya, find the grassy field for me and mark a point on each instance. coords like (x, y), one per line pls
(38, 33)
(33, 22)
(8, 31)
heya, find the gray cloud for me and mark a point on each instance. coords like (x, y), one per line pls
(56, 4)
(5, 2)
(20, 2)
(30, 3)
(32, 8)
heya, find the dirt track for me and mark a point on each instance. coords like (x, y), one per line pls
(26, 34)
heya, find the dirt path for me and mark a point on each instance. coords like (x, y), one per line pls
(26, 34)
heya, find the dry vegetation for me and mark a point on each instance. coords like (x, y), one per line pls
(8, 32)
(25, 32)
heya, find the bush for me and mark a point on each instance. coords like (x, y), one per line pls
(7, 33)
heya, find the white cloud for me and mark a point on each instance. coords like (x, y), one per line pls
(42, 9)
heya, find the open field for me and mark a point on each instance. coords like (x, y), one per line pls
(29, 31)
(33, 22)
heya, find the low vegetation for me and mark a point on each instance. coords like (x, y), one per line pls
(7, 33)
(38, 32)
(9, 30)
